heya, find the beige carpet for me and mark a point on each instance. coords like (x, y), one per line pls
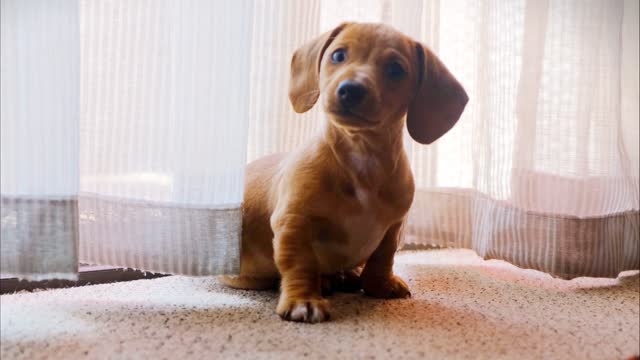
(462, 307)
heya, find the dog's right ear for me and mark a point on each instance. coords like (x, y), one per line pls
(439, 100)
(305, 70)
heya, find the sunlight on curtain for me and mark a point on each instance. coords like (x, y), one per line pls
(163, 133)
(542, 168)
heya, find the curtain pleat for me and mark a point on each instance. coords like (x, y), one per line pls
(160, 237)
(39, 111)
(564, 246)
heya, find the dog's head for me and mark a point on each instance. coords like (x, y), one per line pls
(370, 75)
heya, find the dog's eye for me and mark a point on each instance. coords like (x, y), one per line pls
(339, 56)
(395, 71)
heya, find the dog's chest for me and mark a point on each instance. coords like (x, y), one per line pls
(356, 233)
(365, 228)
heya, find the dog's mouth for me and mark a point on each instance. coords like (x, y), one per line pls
(350, 117)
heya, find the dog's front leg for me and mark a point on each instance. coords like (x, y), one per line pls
(300, 290)
(377, 277)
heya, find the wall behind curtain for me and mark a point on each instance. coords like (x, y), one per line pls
(542, 168)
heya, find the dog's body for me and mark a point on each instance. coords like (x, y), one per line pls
(349, 201)
(337, 204)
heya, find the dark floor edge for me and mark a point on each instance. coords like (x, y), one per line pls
(90, 275)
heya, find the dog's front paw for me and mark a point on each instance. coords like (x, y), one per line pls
(386, 288)
(309, 310)
(344, 281)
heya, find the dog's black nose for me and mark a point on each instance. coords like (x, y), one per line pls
(351, 93)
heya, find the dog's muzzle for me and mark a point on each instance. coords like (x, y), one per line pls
(350, 93)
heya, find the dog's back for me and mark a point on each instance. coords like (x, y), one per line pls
(257, 269)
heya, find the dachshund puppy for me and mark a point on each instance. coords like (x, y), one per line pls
(337, 205)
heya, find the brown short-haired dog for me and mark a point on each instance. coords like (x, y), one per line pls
(337, 204)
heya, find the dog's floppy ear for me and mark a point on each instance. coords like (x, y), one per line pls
(305, 70)
(438, 102)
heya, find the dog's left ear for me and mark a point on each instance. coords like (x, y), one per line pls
(439, 99)
(305, 70)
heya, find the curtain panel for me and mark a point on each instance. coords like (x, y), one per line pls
(126, 126)
(40, 138)
(123, 135)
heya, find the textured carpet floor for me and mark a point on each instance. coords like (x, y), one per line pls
(462, 307)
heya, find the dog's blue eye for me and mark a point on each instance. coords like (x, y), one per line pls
(339, 56)
(395, 71)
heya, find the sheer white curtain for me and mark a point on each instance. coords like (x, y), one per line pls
(123, 134)
(126, 125)
(39, 111)
(163, 126)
